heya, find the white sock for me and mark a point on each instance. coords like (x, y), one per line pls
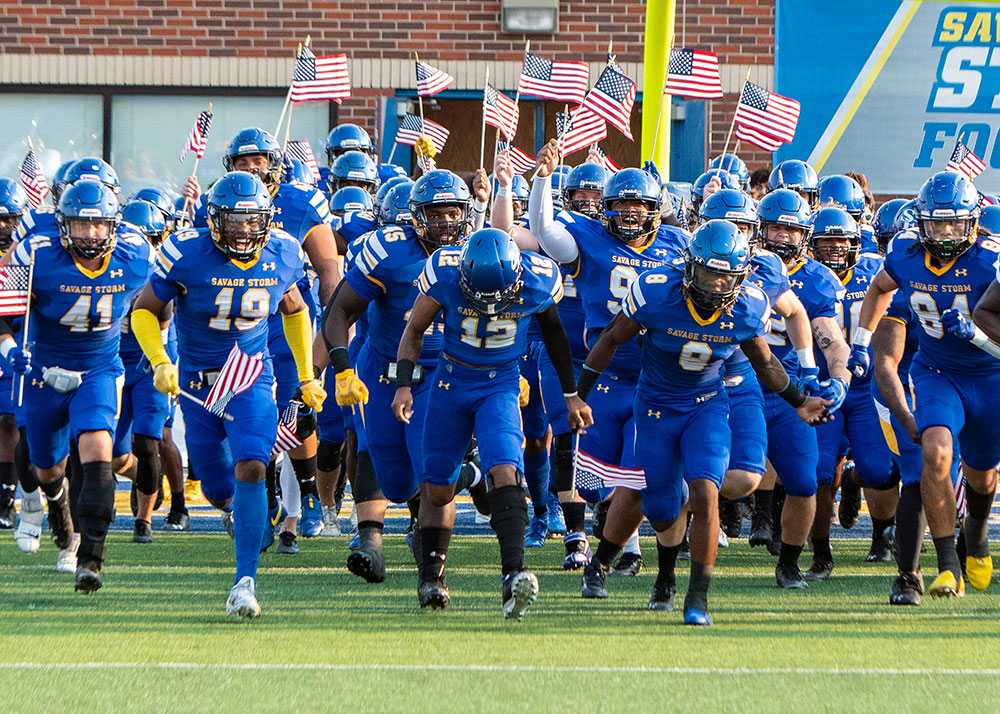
(32, 501)
(632, 545)
(290, 494)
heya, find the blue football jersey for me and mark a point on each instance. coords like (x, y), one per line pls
(354, 224)
(868, 243)
(682, 352)
(931, 290)
(76, 313)
(37, 220)
(385, 272)
(771, 276)
(489, 340)
(820, 292)
(219, 301)
(855, 284)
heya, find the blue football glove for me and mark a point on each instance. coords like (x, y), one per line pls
(955, 322)
(834, 390)
(809, 380)
(19, 359)
(859, 362)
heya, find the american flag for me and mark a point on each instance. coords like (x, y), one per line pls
(766, 115)
(548, 79)
(612, 98)
(287, 437)
(591, 473)
(431, 80)
(764, 141)
(198, 137)
(965, 162)
(320, 77)
(237, 375)
(410, 129)
(500, 110)
(693, 73)
(300, 149)
(33, 180)
(13, 289)
(606, 160)
(585, 128)
(519, 161)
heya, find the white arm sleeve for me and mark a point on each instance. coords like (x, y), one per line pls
(553, 237)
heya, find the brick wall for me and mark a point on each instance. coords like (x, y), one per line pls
(740, 31)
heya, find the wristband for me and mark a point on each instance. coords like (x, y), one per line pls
(339, 359)
(8, 344)
(479, 206)
(978, 339)
(861, 337)
(807, 360)
(792, 394)
(404, 372)
(503, 191)
(570, 395)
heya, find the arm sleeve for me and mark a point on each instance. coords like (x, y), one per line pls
(555, 240)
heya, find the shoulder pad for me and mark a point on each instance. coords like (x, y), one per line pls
(990, 245)
(185, 234)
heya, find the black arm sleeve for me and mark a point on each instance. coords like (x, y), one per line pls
(557, 346)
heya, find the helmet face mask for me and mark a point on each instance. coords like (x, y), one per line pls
(838, 253)
(947, 238)
(354, 168)
(629, 220)
(584, 200)
(716, 262)
(712, 289)
(489, 271)
(443, 224)
(90, 238)
(947, 211)
(254, 151)
(8, 224)
(88, 216)
(440, 207)
(239, 215)
(785, 241)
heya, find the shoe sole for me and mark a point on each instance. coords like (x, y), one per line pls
(244, 612)
(438, 601)
(630, 573)
(141, 539)
(287, 551)
(362, 565)
(27, 544)
(571, 563)
(88, 583)
(524, 590)
(907, 602)
(593, 594)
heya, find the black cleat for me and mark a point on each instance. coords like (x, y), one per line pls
(367, 562)
(630, 564)
(819, 570)
(760, 529)
(61, 521)
(594, 576)
(142, 532)
(850, 497)
(730, 517)
(177, 521)
(906, 589)
(684, 550)
(7, 516)
(433, 593)
(88, 576)
(883, 546)
(288, 544)
(662, 598)
(790, 577)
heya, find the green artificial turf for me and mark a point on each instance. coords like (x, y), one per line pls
(156, 638)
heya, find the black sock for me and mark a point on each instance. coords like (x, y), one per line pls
(697, 595)
(434, 543)
(370, 533)
(55, 490)
(305, 474)
(977, 523)
(821, 549)
(270, 485)
(947, 556)
(509, 518)
(789, 554)
(762, 500)
(468, 477)
(880, 524)
(96, 508)
(575, 514)
(22, 464)
(667, 557)
(910, 525)
(606, 552)
(177, 502)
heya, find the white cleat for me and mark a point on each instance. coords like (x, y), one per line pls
(242, 601)
(66, 562)
(331, 527)
(723, 539)
(28, 533)
(519, 591)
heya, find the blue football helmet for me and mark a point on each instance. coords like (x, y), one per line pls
(884, 223)
(351, 199)
(390, 171)
(158, 197)
(384, 188)
(727, 180)
(239, 214)
(92, 169)
(635, 223)
(298, 171)
(395, 207)
(716, 262)
(585, 177)
(558, 181)
(489, 271)
(147, 219)
(88, 216)
(906, 216)
(834, 223)
(844, 192)
(797, 176)
(989, 221)
(59, 180)
(734, 165)
(439, 189)
(947, 211)
(13, 203)
(354, 168)
(733, 206)
(789, 213)
(348, 137)
(255, 142)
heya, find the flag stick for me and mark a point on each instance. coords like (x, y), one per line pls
(288, 129)
(482, 133)
(227, 417)
(288, 96)
(188, 203)
(576, 457)
(392, 152)
(562, 155)
(732, 124)
(732, 156)
(27, 315)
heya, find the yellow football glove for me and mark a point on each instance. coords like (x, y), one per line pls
(350, 389)
(313, 394)
(426, 147)
(525, 396)
(165, 379)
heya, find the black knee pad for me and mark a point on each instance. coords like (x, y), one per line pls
(507, 504)
(328, 456)
(562, 447)
(97, 493)
(306, 424)
(147, 454)
(521, 483)
(366, 486)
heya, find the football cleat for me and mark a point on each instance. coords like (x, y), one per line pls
(311, 522)
(288, 543)
(267, 540)
(28, 533)
(142, 532)
(730, 517)
(628, 565)
(906, 589)
(177, 521)
(355, 542)
(61, 522)
(819, 570)
(693, 616)
(980, 571)
(684, 550)
(242, 600)
(577, 551)
(790, 577)
(520, 589)
(850, 497)
(534, 537)
(723, 539)
(88, 576)
(594, 576)
(227, 522)
(557, 521)
(662, 598)
(883, 546)
(331, 526)
(947, 585)
(7, 516)
(277, 515)
(66, 560)
(433, 592)
(760, 529)
(367, 563)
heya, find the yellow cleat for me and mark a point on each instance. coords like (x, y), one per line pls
(980, 571)
(946, 585)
